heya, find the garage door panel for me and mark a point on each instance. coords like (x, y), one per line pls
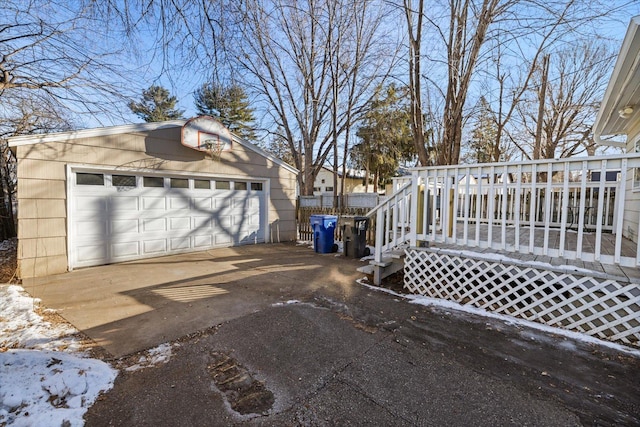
(180, 223)
(123, 226)
(90, 204)
(222, 203)
(154, 203)
(203, 241)
(154, 225)
(239, 220)
(89, 253)
(179, 243)
(125, 249)
(179, 203)
(124, 203)
(91, 228)
(202, 203)
(154, 246)
(223, 221)
(222, 239)
(201, 222)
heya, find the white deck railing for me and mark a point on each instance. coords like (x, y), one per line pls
(392, 221)
(545, 207)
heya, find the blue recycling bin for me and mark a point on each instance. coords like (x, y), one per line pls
(323, 228)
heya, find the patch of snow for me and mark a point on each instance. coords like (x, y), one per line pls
(9, 244)
(22, 327)
(291, 301)
(460, 308)
(152, 357)
(46, 379)
(49, 387)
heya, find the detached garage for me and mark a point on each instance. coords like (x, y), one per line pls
(122, 193)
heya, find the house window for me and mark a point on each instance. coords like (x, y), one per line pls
(316, 189)
(179, 183)
(323, 181)
(256, 186)
(328, 188)
(89, 179)
(223, 185)
(240, 185)
(153, 181)
(123, 181)
(202, 184)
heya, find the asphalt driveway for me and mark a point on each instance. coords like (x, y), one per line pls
(279, 335)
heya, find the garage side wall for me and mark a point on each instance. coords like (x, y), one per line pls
(42, 186)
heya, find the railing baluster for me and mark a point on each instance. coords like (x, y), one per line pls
(581, 210)
(565, 208)
(490, 205)
(394, 220)
(533, 207)
(434, 208)
(479, 198)
(620, 195)
(516, 206)
(603, 175)
(444, 205)
(547, 210)
(467, 207)
(426, 210)
(503, 214)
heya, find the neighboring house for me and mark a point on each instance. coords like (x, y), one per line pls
(619, 114)
(354, 182)
(99, 196)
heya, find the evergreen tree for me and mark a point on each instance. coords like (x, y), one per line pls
(484, 136)
(279, 147)
(230, 105)
(157, 105)
(385, 135)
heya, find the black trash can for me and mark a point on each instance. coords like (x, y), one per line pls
(354, 236)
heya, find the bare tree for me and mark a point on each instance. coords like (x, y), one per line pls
(306, 62)
(574, 87)
(414, 18)
(55, 63)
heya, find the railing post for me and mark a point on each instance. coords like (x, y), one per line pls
(413, 206)
(379, 235)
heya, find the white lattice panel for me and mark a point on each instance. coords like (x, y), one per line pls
(599, 307)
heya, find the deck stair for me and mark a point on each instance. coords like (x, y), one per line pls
(391, 262)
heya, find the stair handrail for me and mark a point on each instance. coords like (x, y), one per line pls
(382, 212)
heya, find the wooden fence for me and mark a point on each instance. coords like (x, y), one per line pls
(303, 219)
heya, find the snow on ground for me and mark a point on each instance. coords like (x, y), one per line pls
(46, 378)
(510, 320)
(152, 357)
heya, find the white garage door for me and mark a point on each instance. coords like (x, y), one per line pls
(118, 216)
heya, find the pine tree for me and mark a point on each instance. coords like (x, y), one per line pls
(483, 136)
(157, 105)
(385, 135)
(230, 105)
